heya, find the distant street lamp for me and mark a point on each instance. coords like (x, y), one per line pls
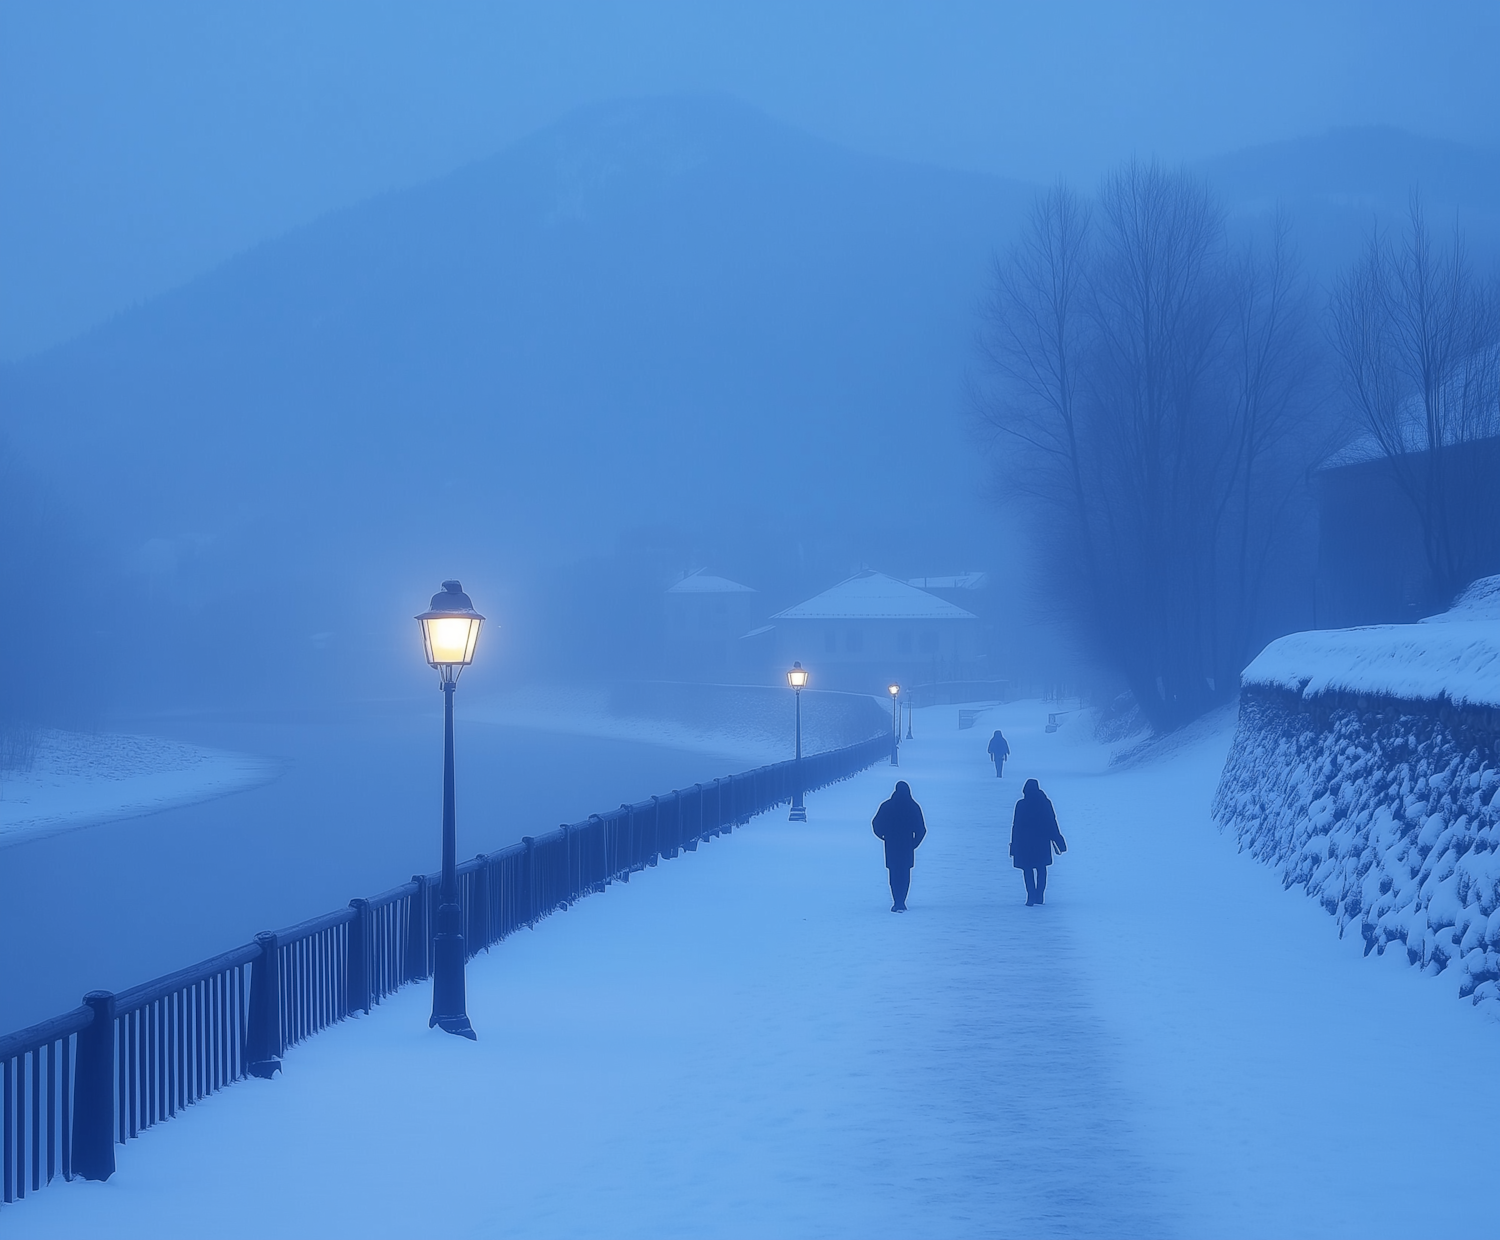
(797, 678)
(450, 631)
(908, 717)
(895, 691)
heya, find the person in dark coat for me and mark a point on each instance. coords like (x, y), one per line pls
(900, 824)
(999, 751)
(1033, 836)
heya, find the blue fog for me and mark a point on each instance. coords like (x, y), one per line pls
(306, 309)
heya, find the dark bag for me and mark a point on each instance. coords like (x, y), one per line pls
(1060, 844)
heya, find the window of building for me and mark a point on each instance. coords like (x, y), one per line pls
(830, 642)
(929, 641)
(854, 641)
(903, 641)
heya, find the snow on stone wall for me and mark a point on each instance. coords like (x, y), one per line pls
(1454, 656)
(1385, 805)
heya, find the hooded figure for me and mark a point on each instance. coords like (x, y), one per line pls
(999, 751)
(899, 823)
(1033, 836)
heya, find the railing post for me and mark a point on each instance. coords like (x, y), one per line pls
(94, 1091)
(417, 933)
(627, 830)
(263, 1036)
(357, 972)
(479, 935)
(570, 892)
(601, 876)
(690, 837)
(653, 854)
(531, 901)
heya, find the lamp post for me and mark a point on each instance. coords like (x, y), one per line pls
(908, 718)
(450, 630)
(895, 691)
(797, 678)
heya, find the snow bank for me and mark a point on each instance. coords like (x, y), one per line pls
(1366, 767)
(1454, 656)
(76, 779)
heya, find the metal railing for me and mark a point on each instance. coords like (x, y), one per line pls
(79, 1084)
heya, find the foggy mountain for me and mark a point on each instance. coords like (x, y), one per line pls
(672, 322)
(658, 335)
(1338, 185)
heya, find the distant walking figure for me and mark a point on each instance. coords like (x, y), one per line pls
(1033, 836)
(899, 823)
(999, 751)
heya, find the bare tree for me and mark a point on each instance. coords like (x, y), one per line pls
(1146, 378)
(1417, 335)
(1037, 342)
(1273, 362)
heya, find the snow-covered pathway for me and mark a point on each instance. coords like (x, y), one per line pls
(745, 1041)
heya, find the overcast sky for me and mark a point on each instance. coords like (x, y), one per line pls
(142, 143)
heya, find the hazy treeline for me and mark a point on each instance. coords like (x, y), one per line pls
(1416, 330)
(1162, 389)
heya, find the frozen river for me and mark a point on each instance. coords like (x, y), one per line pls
(354, 809)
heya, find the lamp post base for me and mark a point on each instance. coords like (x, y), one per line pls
(449, 1001)
(454, 1024)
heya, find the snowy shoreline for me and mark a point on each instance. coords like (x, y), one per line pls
(80, 779)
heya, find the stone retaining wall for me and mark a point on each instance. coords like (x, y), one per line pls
(1386, 810)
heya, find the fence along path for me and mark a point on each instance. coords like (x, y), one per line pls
(77, 1085)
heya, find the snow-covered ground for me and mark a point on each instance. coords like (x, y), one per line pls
(77, 779)
(746, 1041)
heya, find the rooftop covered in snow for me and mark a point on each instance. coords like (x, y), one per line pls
(869, 595)
(705, 583)
(957, 581)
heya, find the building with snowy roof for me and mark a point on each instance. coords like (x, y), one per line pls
(870, 629)
(1374, 562)
(705, 616)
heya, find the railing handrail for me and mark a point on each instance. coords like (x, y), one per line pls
(149, 992)
(23, 1041)
(407, 888)
(315, 925)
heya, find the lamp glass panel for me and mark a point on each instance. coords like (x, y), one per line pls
(450, 639)
(796, 678)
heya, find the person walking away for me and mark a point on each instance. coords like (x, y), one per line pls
(900, 824)
(1033, 836)
(999, 751)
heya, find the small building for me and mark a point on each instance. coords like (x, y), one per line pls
(1373, 565)
(870, 629)
(705, 616)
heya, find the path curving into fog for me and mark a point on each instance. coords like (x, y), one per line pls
(745, 1041)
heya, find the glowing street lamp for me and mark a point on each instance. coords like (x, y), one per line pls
(895, 691)
(797, 678)
(450, 631)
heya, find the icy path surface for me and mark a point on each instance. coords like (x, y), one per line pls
(745, 1041)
